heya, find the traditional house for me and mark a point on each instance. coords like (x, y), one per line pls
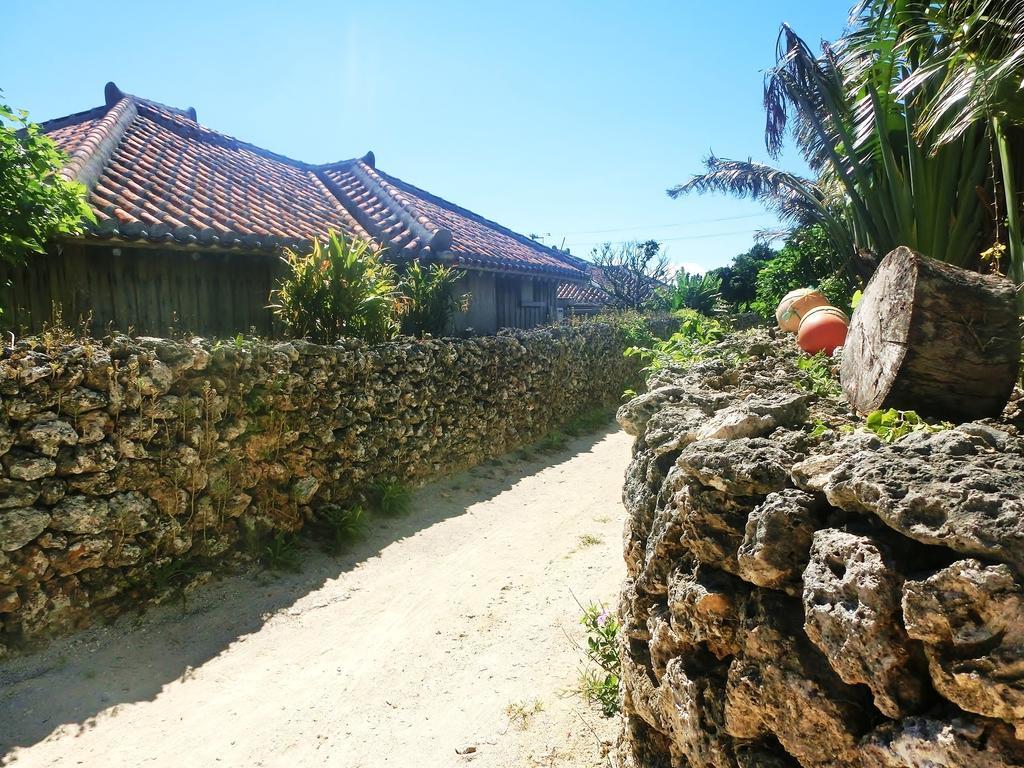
(190, 224)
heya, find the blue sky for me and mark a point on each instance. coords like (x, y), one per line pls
(567, 119)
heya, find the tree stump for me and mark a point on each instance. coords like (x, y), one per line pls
(932, 338)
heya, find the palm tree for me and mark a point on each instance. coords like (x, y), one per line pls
(872, 117)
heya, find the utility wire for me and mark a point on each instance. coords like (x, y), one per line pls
(671, 239)
(667, 226)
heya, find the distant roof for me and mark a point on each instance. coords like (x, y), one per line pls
(155, 174)
(598, 291)
(583, 294)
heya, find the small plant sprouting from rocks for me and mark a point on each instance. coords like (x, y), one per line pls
(552, 441)
(280, 552)
(892, 425)
(588, 422)
(688, 345)
(589, 540)
(391, 499)
(342, 526)
(599, 680)
(816, 376)
(520, 713)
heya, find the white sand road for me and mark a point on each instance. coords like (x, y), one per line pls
(401, 653)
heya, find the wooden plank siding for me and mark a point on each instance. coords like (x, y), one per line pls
(146, 290)
(156, 292)
(525, 302)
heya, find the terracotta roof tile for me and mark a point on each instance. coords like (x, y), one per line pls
(583, 293)
(154, 173)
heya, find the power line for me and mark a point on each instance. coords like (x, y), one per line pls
(667, 226)
(673, 239)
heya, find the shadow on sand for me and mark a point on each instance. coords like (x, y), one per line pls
(132, 659)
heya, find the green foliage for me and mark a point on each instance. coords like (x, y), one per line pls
(341, 289)
(341, 526)
(817, 376)
(891, 425)
(430, 300)
(280, 552)
(391, 499)
(554, 440)
(590, 421)
(805, 260)
(739, 279)
(696, 332)
(700, 293)
(599, 682)
(36, 203)
(632, 326)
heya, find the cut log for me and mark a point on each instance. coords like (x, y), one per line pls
(932, 338)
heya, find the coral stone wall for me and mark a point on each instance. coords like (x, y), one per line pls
(121, 459)
(812, 597)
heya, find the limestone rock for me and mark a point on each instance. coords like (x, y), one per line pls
(633, 416)
(970, 618)
(742, 467)
(28, 466)
(814, 473)
(155, 380)
(777, 539)
(923, 742)
(779, 688)
(950, 489)
(17, 493)
(694, 709)
(20, 525)
(756, 416)
(851, 595)
(712, 524)
(48, 435)
(84, 553)
(706, 606)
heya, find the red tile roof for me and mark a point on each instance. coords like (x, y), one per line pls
(155, 174)
(586, 294)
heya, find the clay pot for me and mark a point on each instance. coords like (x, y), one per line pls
(822, 329)
(795, 305)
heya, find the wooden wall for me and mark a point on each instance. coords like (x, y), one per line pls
(153, 292)
(147, 290)
(524, 302)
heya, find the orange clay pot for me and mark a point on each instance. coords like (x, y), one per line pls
(822, 329)
(795, 305)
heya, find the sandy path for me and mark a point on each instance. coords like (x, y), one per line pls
(410, 648)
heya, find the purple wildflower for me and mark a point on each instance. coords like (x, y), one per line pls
(602, 619)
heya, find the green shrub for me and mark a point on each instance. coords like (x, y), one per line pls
(391, 499)
(430, 300)
(805, 261)
(341, 289)
(700, 293)
(281, 552)
(340, 526)
(696, 332)
(36, 203)
(599, 681)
